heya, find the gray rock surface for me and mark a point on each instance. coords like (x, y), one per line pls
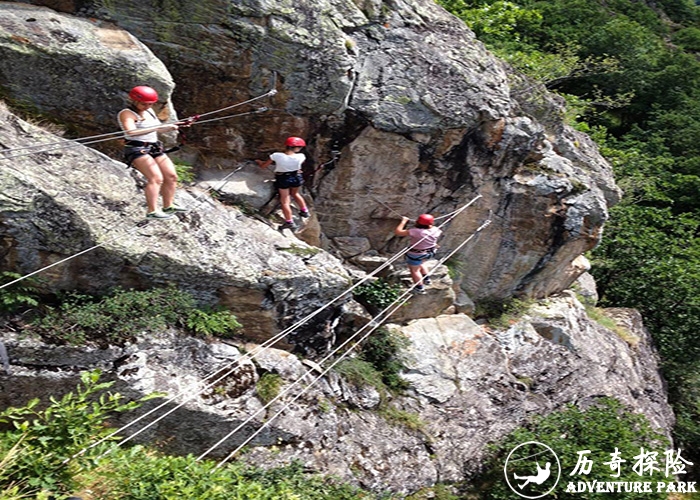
(77, 71)
(424, 119)
(468, 386)
(56, 205)
(423, 116)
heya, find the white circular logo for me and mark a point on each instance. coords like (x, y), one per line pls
(532, 470)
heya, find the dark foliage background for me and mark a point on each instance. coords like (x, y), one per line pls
(630, 72)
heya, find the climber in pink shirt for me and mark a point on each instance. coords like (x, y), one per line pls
(424, 237)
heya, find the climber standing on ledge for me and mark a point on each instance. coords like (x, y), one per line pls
(288, 178)
(424, 237)
(145, 153)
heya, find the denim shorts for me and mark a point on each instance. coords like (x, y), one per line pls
(288, 180)
(417, 259)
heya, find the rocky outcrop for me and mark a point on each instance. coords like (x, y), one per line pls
(57, 205)
(417, 116)
(53, 64)
(424, 119)
(468, 386)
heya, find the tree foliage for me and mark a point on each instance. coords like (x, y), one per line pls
(40, 457)
(631, 70)
(602, 428)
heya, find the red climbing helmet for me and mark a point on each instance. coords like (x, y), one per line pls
(294, 142)
(143, 94)
(425, 220)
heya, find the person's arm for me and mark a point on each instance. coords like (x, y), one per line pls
(437, 245)
(264, 164)
(401, 228)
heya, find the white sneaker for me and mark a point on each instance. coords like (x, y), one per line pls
(157, 214)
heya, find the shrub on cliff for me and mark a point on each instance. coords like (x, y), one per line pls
(38, 459)
(601, 429)
(123, 314)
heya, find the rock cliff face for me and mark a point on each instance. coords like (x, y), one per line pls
(468, 386)
(60, 203)
(423, 116)
(420, 117)
(51, 63)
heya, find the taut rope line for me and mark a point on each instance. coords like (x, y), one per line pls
(231, 367)
(115, 135)
(139, 224)
(121, 135)
(375, 323)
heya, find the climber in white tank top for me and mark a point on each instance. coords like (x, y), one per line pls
(145, 153)
(288, 179)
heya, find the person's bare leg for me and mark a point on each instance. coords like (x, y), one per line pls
(286, 203)
(167, 190)
(154, 179)
(298, 199)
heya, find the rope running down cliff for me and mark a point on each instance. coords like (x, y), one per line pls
(72, 143)
(375, 323)
(140, 223)
(229, 368)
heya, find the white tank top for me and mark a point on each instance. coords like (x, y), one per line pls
(148, 121)
(287, 163)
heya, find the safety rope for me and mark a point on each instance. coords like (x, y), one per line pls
(62, 141)
(385, 205)
(196, 118)
(74, 255)
(140, 224)
(114, 135)
(120, 134)
(374, 324)
(231, 367)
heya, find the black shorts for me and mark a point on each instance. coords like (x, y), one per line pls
(288, 180)
(136, 149)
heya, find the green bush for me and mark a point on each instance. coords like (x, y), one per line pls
(381, 350)
(123, 314)
(688, 39)
(268, 387)
(21, 295)
(36, 447)
(378, 293)
(166, 477)
(360, 373)
(208, 321)
(378, 363)
(38, 442)
(502, 313)
(185, 172)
